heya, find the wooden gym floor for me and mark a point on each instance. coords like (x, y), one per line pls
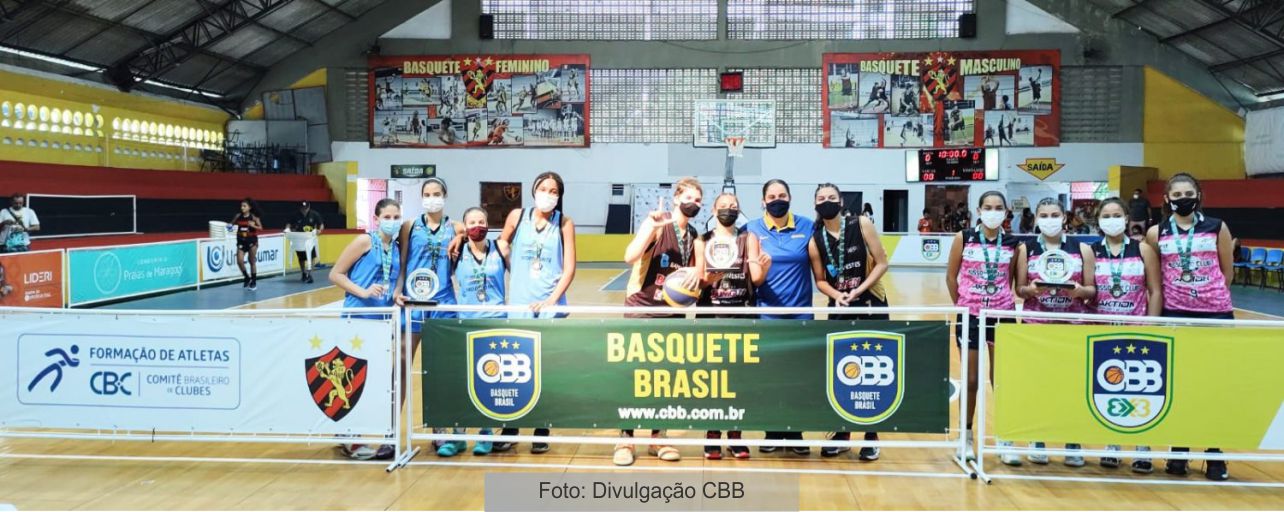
(36, 474)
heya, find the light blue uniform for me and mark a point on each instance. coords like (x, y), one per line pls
(424, 244)
(486, 275)
(368, 270)
(537, 263)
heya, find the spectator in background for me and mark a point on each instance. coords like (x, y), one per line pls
(925, 223)
(1139, 211)
(307, 221)
(16, 222)
(1027, 221)
(868, 211)
(962, 218)
(1007, 222)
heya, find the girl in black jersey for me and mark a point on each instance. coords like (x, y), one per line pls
(248, 222)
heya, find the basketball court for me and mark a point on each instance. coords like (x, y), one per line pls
(621, 218)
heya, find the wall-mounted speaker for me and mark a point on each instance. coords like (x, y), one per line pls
(967, 25)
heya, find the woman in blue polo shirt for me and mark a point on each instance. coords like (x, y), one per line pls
(784, 238)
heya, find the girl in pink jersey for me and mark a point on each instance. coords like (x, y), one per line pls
(1055, 275)
(1196, 257)
(979, 277)
(1128, 283)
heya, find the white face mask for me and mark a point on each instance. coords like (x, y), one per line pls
(1112, 226)
(1050, 226)
(993, 218)
(434, 204)
(545, 201)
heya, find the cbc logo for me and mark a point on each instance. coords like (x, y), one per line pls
(1131, 376)
(504, 368)
(866, 370)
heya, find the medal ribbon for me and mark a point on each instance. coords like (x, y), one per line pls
(1183, 253)
(842, 249)
(479, 270)
(681, 236)
(1116, 268)
(992, 267)
(542, 237)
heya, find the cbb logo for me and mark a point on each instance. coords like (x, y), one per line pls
(870, 370)
(504, 372)
(505, 368)
(1130, 380)
(864, 374)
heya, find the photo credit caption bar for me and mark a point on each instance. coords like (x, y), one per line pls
(631, 491)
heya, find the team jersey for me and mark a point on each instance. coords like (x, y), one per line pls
(481, 280)
(924, 225)
(428, 249)
(735, 288)
(369, 270)
(245, 229)
(846, 262)
(976, 289)
(537, 256)
(1054, 300)
(1198, 286)
(1121, 280)
(668, 252)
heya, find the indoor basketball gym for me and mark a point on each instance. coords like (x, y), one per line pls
(690, 254)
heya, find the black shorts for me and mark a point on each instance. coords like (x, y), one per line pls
(1210, 315)
(974, 331)
(863, 302)
(247, 244)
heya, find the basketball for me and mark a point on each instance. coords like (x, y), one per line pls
(1114, 375)
(677, 296)
(491, 368)
(851, 370)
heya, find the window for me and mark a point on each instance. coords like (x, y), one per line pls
(797, 95)
(645, 20)
(648, 105)
(845, 19)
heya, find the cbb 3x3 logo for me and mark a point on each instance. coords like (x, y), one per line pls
(864, 374)
(504, 372)
(1130, 380)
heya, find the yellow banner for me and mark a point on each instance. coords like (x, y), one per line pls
(1132, 385)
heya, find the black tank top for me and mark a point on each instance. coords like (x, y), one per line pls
(666, 254)
(244, 229)
(735, 288)
(845, 263)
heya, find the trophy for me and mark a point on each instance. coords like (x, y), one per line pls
(720, 254)
(1054, 270)
(422, 285)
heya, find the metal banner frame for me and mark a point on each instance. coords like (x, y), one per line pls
(956, 443)
(391, 434)
(984, 386)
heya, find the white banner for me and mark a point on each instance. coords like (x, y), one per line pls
(191, 373)
(218, 258)
(922, 250)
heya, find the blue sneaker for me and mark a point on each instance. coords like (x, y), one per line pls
(483, 447)
(451, 448)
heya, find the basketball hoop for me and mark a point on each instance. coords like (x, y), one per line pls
(735, 147)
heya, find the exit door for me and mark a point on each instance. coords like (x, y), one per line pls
(896, 211)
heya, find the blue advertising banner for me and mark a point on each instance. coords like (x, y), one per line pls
(106, 273)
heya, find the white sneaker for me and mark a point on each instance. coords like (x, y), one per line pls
(362, 451)
(1038, 458)
(1009, 458)
(969, 450)
(1074, 461)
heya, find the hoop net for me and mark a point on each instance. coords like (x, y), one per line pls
(735, 147)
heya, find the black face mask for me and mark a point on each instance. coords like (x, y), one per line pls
(727, 216)
(828, 209)
(778, 208)
(1184, 206)
(690, 209)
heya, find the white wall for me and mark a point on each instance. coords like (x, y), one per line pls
(590, 172)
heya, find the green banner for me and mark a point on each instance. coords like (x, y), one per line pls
(684, 374)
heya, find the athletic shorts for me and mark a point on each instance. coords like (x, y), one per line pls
(870, 302)
(1210, 315)
(246, 244)
(974, 331)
